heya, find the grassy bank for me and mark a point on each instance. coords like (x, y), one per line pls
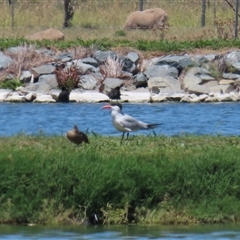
(155, 47)
(146, 180)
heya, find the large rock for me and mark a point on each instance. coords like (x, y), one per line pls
(41, 87)
(102, 56)
(194, 77)
(140, 80)
(140, 95)
(165, 84)
(88, 82)
(4, 61)
(201, 59)
(42, 98)
(231, 76)
(4, 93)
(84, 68)
(134, 57)
(15, 97)
(198, 89)
(44, 69)
(162, 70)
(227, 97)
(89, 61)
(50, 79)
(110, 83)
(221, 89)
(88, 96)
(232, 57)
(26, 76)
(179, 62)
(159, 98)
(49, 34)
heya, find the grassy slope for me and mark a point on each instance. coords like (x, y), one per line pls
(105, 19)
(166, 180)
(143, 45)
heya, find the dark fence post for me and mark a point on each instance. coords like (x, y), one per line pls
(214, 10)
(140, 5)
(236, 20)
(68, 13)
(203, 13)
(11, 4)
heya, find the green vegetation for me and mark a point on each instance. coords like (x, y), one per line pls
(146, 180)
(10, 84)
(143, 45)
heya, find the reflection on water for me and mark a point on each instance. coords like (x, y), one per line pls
(123, 232)
(177, 118)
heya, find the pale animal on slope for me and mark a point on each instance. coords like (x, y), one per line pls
(153, 18)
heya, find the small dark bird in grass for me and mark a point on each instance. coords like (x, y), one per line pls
(64, 95)
(115, 93)
(76, 136)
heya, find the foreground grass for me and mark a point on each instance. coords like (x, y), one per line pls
(146, 180)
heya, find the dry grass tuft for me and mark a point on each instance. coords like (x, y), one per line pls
(112, 68)
(225, 28)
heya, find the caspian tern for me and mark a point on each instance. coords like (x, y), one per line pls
(125, 123)
(76, 136)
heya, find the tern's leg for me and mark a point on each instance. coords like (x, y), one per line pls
(122, 136)
(127, 135)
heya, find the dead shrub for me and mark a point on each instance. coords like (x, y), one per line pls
(23, 59)
(68, 77)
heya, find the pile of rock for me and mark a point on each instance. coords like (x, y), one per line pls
(182, 78)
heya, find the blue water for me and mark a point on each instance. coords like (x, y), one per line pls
(119, 233)
(177, 118)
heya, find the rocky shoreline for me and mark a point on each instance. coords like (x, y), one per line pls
(211, 77)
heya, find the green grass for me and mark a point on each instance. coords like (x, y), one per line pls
(146, 180)
(10, 84)
(142, 45)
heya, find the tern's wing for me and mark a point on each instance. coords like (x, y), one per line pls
(131, 124)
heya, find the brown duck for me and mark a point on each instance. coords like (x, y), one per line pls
(76, 136)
